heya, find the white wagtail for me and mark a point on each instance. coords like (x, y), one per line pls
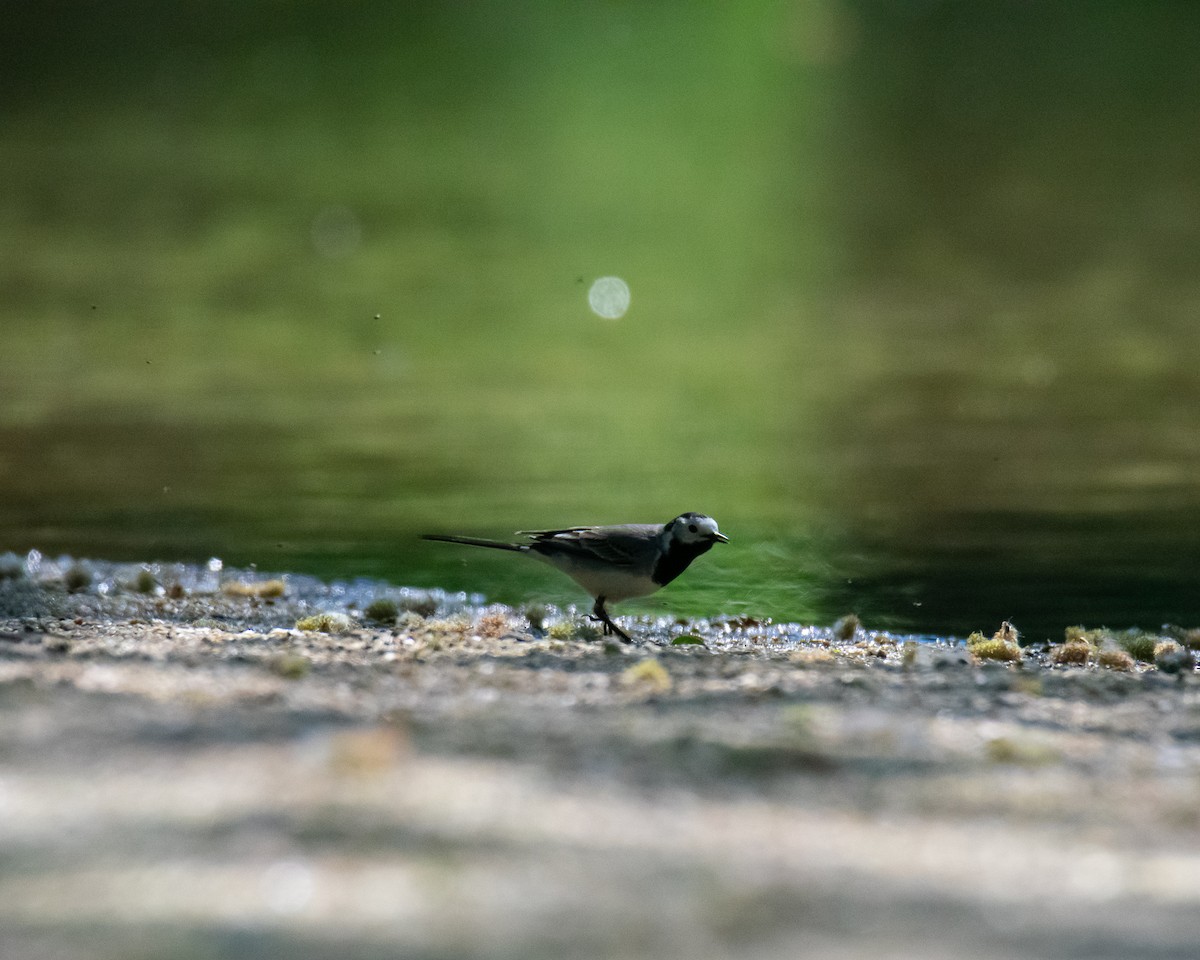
(615, 563)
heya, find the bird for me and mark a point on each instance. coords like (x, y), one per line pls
(614, 563)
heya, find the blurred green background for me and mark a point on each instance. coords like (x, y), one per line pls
(914, 284)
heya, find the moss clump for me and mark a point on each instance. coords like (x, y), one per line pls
(647, 675)
(493, 625)
(423, 606)
(1079, 634)
(326, 623)
(452, 630)
(382, 610)
(145, 582)
(999, 647)
(996, 650)
(847, 627)
(1139, 645)
(1115, 651)
(1075, 653)
(587, 631)
(561, 630)
(536, 614)
(1020, 751)
(291, 666)
(1097, 638)
(261, 589)
(574, 629)
(1115, 659)
(77, 578)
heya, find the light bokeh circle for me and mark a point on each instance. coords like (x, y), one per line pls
(609, 298)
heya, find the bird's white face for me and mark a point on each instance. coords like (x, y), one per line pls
(696, 528)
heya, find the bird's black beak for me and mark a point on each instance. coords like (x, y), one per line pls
(719, 538)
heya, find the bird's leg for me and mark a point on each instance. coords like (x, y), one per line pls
(599, 616)
(599, 613)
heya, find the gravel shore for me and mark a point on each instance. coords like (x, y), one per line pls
(184, 772)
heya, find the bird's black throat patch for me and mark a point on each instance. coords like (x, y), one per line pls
(672, 563)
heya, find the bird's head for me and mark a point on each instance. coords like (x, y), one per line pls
(695, 529)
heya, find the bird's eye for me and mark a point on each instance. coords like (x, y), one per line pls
(691, 528)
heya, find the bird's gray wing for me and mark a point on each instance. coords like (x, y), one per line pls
(625, 545)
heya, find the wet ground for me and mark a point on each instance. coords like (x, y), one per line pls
(185, 773)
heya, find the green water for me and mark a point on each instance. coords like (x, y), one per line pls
(914, 296)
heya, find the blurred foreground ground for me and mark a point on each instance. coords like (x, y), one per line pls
(190, 784)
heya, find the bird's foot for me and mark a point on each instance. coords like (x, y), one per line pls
(611, 628)
(600, 614)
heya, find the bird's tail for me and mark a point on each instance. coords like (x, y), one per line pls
(473, 542)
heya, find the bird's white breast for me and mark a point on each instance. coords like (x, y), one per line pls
(613, 584)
